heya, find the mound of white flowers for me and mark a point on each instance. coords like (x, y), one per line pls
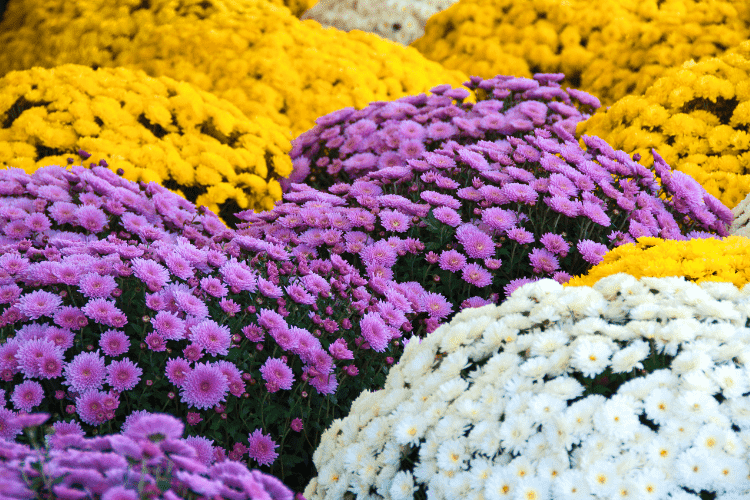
(630, 389)
(400, 21)
(741, 223)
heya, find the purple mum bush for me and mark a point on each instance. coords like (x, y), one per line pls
(118, 298)
(473, 223)
(348, 144)
(148, 459)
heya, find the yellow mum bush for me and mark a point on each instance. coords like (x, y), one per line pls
(609, 48)
(696, 117)
(297, 7)
(698, 260)
(154, 129)
(251, 52)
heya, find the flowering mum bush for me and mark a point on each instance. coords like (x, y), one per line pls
(154, 129)
(632, 388)
(472, 223)
(254, 54)
(348, 144)
(149, 459)
(401, 21)
(118, 297)
(697, 260)
(696, 116)
(610, 48)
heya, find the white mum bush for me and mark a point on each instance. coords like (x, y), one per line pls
(400, 21)
(630, 389)
(741, 223)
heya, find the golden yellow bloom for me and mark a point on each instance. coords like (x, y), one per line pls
(702, 129)
(154, 129)
(609, 48)
(698, 260)
(253, 53)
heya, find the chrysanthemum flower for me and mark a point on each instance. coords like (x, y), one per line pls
(204, 387)
(261, 448)
(123, 375)
(85, 372)
(277, 375)
(39, 303)
(27, 395)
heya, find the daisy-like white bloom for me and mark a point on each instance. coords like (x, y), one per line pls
(591, 358)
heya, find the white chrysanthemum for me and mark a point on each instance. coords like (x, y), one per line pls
(451, 455)
(544, 407)
(333, 480)
(535, 368)
(691, 360)
(564, 387)
(470, 409)
(455, 337)
(425, 470)
(696, 405)
(485, 438)
(591, 358)
(630, 357)
(435, 412)
(732, 474)
(580, 413)
(695, 469)
(740, 413)
(558, 432)
(451, 389)
(409, 430)
(451, 427)
(375, 432)
(514, 432)
(481, 470)
(675, 332)
(648, 311)
(534, 488)
(452, 364)
(355, 454)
(500, 485)
(384, 479)
(660, 405)
(697, 380)
(571, 485)
(542, 313)
(637, 388)
(459, 485)
(681, 433)
(711, 439)
(602, 478)
(732, 380)
(652, 484)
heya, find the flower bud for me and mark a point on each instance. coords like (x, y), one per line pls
(246, 395)
(170, 395)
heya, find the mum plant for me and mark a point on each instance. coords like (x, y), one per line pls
(148, 459)
(630, 389)
(348, 143)
(473, 222)
(118, 297)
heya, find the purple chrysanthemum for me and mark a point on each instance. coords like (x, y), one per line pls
(212, 337)
(101, 310)
(520, 235)
(277, 375)
(555, 244)
(150, 272)
(476, 243)
(543, 261)
(179, 266)
(299, 294)
(261, 448)
(177, 370)
(155, 428)
(70, 317)
(85, 372)
(191, 304)
(239, 275)
(27, 395)
(447, 216)
(91, 218)
(213, 286)
(499, 219)
(451, 260)
(90, 407)
(39, 303)
(9, 429)
(114, 343)
(123, 375)
(476, 275)
(375, 331)
(169, 326)
(204, 387)
(203, 447)
(435, 305)
(392, 220)
(591, 251)
(438, 200)
(96, 285)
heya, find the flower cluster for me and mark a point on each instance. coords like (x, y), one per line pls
(472, 223)
(609, 48)
(698, 260)
(117, 297)
(401, 21)
(632, 388)
(348, 144)
(298, 7)
(254, 54)
(164, 131)
(696, 116)
(149, 459)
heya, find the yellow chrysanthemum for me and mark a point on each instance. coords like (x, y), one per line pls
(154, 129)
(698, 260)
(609, 48)
(696, 117)
(253, 53)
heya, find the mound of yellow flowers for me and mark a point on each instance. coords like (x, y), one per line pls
(696, 117)
(152, 129)
(253, 53)
(698, 260)
(609, 48)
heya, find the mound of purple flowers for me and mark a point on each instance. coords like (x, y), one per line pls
(149, 459)
(117, 297)
(347, 144)
(473, 223)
